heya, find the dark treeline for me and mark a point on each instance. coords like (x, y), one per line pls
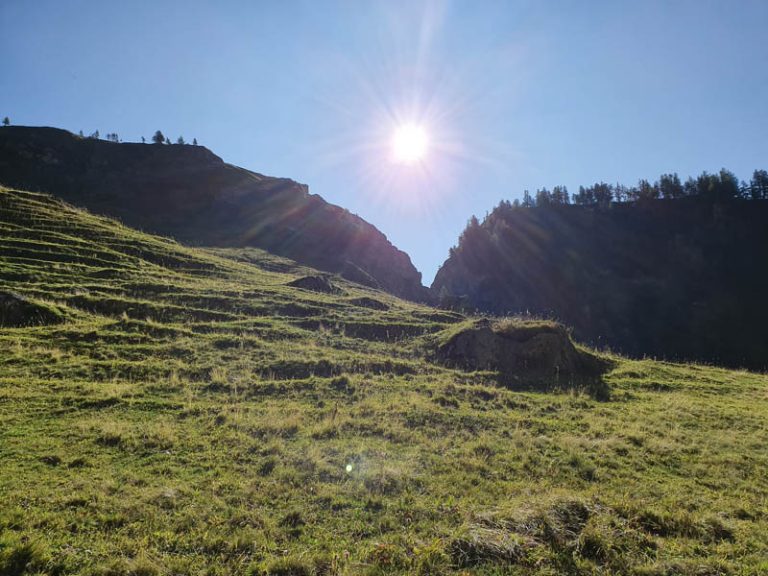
(721, 186)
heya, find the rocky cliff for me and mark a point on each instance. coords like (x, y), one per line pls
(191, 194)
(680, 279)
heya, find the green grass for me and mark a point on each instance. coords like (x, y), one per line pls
(194, 415)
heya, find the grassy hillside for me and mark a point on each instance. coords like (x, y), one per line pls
(183, 411)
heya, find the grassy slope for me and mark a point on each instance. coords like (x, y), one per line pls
(195, 415)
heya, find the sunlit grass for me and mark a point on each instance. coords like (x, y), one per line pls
(194, 415)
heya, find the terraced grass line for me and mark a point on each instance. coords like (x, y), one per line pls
(195, 415)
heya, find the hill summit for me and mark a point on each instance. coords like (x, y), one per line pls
(191, 194)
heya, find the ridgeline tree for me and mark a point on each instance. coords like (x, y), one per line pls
(527, 200)
(158, 138)
(723, 186)
(670, 186)
(6, 121)
(758, 186)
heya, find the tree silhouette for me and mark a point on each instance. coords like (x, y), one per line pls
(180, 140)
(194, 141)
(723, 186)
(603, 194)
(158, 138)
(527, 200)
(543, 197)
(758, 186)
(728, 187)
(646, 191)
(6, 121)
(670, 186)
(560, 195)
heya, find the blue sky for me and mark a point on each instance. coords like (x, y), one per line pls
(513, 94)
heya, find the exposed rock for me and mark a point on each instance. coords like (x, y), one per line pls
(525, 354)
(356, 274)
(316, 284)
(372, 303)
(191, 194)
(17, 311)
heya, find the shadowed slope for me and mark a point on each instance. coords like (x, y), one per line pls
(677, 279)
(189, 193)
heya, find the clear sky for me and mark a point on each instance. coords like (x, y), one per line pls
(511, 94)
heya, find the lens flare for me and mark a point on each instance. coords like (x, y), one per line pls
(409, 144)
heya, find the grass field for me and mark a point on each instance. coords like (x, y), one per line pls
(183, 411)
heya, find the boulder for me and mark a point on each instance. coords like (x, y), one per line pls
(525, 354)
(319, 283)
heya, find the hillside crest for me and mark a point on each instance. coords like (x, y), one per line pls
(189, 193)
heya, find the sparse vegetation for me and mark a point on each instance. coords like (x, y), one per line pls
(193, 413)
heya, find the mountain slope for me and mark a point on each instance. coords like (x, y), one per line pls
(189, 193)
(676, 279)
(187, 411)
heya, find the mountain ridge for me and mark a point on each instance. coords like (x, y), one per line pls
(190, 193)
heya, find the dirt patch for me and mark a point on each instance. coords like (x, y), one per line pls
(316, 284)
(17, 311)
(535, 355)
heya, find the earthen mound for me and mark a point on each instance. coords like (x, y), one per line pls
(317, 283)
(17, 311)
(525, 354)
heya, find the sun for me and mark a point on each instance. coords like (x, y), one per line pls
(409, 144)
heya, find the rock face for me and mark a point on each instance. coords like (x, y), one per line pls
(681, 279)
(16, 311)
(191, 194)
(535, 355)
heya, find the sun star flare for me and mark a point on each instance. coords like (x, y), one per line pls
(409, 144)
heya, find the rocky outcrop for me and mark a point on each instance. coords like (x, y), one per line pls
(371, 303)
(191, 194)
(17, 311)
(321, 284)
(524, 354)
